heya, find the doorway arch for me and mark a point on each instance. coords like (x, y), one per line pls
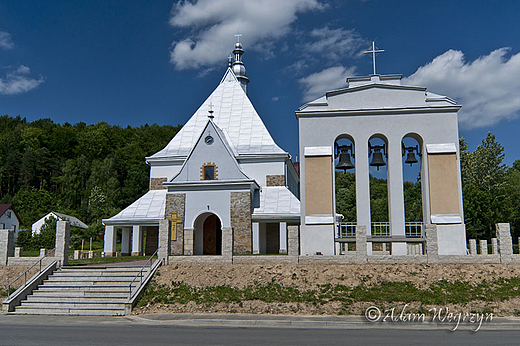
(208, 235)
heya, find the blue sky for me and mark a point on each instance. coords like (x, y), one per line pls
(136, 62)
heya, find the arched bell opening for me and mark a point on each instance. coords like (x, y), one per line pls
(345, 190)
(412, 160)
(207, 235)
(378, 169)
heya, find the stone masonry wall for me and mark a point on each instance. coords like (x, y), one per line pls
(175, 204)
(156, 183)
(241, 222)
(275, 180)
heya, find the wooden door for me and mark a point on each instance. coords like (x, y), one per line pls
(209, 236)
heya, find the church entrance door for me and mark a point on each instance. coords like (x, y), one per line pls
(212, 236)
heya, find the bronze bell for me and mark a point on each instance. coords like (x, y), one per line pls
(377, 159)
(410, 157)
(344, 162)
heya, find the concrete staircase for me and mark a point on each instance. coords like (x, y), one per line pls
(83, 291)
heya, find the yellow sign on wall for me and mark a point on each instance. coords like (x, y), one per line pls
(174, 220)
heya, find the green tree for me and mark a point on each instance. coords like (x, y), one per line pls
(484, 186)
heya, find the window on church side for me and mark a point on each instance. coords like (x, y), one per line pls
(209, 171)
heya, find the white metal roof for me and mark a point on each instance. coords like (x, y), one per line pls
(149, 207)
(277, 201)
(234, 114)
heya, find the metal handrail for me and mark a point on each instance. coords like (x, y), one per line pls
(24, 274)
(140, 274)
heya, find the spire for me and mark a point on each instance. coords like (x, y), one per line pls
(238, 66)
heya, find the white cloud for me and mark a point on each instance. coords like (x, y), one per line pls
(335, 44)
(488, 88)
(18, 81)
(316, 84)
(214, 23)
(6, 41)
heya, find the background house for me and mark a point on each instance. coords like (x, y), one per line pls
(74, 221)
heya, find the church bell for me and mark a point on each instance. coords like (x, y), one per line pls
(410, 157)
(344, 162)
(377, 156)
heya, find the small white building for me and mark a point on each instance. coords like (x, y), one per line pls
(8, 218)
(74, 221)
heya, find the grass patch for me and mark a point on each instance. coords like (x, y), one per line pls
(104, 260)
(439, 293)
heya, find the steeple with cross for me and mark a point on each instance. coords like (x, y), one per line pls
(374, 51)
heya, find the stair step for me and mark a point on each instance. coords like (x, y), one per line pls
(91, 279)
(79, 294)
(67, 311)
(113, 289)
(60, 299)
(98, 275)
(75, 305)
(47, 283)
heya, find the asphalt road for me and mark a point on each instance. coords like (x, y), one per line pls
(51, 330)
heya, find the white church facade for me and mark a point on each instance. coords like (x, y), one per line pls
(222, 186)
(221, 176)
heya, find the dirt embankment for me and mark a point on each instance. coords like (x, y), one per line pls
(308, 277)
(8, 274)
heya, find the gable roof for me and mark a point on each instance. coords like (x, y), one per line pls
(6, 207)
(235, 116)
(234, 168)
(74, 221)
(3, 208)
(148, 208)
(378, 92)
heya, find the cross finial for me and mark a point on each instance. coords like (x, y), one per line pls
(210, 110)
(373, 52)
(238, 35)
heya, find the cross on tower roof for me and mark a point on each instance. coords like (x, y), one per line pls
(210, 111)
(237, 35)
(373, 52)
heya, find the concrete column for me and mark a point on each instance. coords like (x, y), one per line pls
(137, 241)
(17, 252)
(395, 191)
(256, 238)
(494, 246)
(62, 242)
(283, 238)
(125, 242)
(483, 247)
(432, 247)
(473, 247)
(227, 242)
(189, 241)
(77, 254)
(362, 184)
(293, 239)
(164, 241)
(110, 241)
(505, 243)
(43, 252)
(6, 245)
(361, 241)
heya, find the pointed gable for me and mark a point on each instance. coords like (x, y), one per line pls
(234, 114)
(211, 149)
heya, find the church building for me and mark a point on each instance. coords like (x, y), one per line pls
(221, 180)
(223, 187)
